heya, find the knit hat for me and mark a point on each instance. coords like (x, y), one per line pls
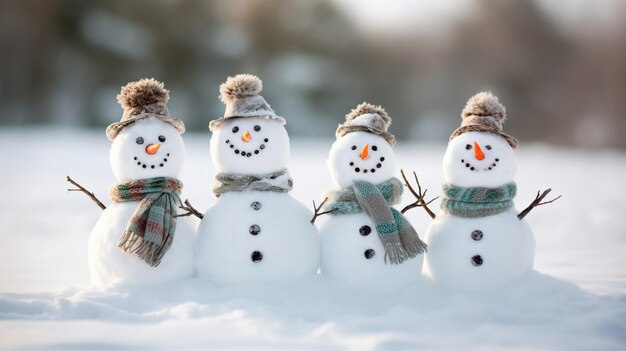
(367, 118)
(241, 96)
(143, 99)
(484, 113)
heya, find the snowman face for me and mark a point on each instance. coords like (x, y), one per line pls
(250, 146)
(479, 159)
(361, 156)
(145, 149)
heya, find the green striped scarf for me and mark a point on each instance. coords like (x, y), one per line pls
(398, 237)
(150, 231)
(477, 201)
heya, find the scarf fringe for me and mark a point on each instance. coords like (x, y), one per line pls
(412, 244)
(394, 252)
(149, 252)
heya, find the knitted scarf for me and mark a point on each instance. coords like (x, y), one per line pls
(477, 202)
(150, 231)
(398, 237)
(279, 182)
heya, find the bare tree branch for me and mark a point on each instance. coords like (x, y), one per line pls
(537, 202)
(317, 210)
(190, 210)
(419, 196)
(91, 195)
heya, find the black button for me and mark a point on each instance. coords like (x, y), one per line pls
(254, 229)
(477, 260)
(365, 230)
(256, 256)
(369, 253)
(255, 205)
(477, 235)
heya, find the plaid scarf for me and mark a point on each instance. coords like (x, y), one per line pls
(150, 231)
(279, 182)
(477, 202)
(398, 237)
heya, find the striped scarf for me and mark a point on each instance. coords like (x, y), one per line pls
(150, 231)
(279, 182)
(477, 202)
(398, 237)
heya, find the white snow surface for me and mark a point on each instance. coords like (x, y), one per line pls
(575, 300)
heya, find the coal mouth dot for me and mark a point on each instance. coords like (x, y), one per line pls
(244, 153)
(365, 170)
(145, 165)
(473, 168)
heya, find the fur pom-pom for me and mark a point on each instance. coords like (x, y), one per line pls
(484, 104)
(141, 93)
(240, 86)
(367, 108)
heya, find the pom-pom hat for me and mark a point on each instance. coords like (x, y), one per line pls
(367, 118)
(145, 98)
(484, 113)
(241, 96)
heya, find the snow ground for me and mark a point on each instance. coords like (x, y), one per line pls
(577, 302)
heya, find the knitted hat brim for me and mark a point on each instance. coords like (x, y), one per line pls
(114, 129)
(343, 130)
(216, 123)
(482, 128)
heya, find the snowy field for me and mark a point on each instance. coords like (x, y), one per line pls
(576, 299)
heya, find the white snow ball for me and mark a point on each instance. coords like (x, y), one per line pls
(361, 156)
(147, 148)
(250, 146)
(479, 159)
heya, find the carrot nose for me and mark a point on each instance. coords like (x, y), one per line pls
(246, 137)
(152, 148)
(478, 152)
(364, 152)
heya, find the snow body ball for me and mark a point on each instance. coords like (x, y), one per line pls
(352, 251)
(250, 235)
(145, 148)
(488, 251)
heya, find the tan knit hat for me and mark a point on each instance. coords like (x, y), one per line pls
(484, 113)
(145, 98)
(367, 118)
(241, 96)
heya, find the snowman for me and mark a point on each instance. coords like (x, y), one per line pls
(138, 239)
(255, 232)
(479, 241)
(365, 242)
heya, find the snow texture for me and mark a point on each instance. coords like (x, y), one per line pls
(47, 304)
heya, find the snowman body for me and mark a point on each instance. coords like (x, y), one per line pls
(108, 264)
(254, 236)
(483, 252)
(351, 249)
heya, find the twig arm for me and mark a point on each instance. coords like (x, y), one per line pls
(317, 209)
(190, 210)
(419, 196)
(538, 201)
(82, 189)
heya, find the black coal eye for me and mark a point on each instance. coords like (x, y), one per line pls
(235, 129)
(161, 138)
(488, 147)
(139, 140)
(374, 147)
(257, 128)
(353, 147)
(468, 146)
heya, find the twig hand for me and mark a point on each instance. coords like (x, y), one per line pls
(538, 202)
(190, 210)
(317, 210)
(419, 196)
(87, 192)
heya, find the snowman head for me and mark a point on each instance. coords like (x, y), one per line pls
(479, 159)
(147, 148)
(250, 146)
(250, 138)
(147, 141)
(361, 156)
(480, 154)
(363, 150)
